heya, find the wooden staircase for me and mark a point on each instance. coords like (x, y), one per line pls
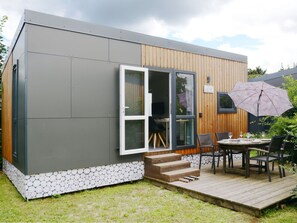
(168, 167)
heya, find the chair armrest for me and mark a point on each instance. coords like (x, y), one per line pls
(208, 146)
(259, 150)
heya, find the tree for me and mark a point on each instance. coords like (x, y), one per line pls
(3, 47)
(3, 51)
(257, 72)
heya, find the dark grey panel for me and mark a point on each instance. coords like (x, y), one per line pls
(66, 43)
(19, 124)
(114, 145)
(125, 52)
(20, 161)
(94, 88)
(49, 90)
(21, 88)
(63, 144)
(37, 18)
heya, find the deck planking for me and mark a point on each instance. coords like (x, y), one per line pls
(250, 195)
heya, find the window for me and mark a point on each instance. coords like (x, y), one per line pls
(225, 103)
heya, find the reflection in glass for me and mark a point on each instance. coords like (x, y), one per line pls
(134, 131)
(184, 94)
(134, 92)
(184, 132)
(225, 101)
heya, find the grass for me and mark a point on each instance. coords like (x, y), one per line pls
(133, 202)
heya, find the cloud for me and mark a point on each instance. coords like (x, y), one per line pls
(121, 13)
(264, 30)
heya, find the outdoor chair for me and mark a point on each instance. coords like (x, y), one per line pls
(230, 153)
(156, 132)
(267, 156)
(286, 151)
(207, 148)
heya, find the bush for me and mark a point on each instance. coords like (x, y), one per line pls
(283, 125)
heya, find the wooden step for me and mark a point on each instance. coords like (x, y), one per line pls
(162, 158)
(176, 174)
(170, 166)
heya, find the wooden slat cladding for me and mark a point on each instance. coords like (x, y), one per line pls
(223, 73)
(6, 111)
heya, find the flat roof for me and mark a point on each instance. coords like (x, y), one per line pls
(57, 22)
(277, 78)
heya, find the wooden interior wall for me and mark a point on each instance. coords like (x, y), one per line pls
(6, 111)
(223, 73)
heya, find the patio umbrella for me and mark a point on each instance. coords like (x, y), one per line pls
(260, 98)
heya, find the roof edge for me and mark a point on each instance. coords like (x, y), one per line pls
(63, 23)
(53, 21)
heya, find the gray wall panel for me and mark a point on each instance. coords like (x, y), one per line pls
(94, 88)
(59, 42)
(49, 86)
(19, 48)
(63, 144)
(125, 52)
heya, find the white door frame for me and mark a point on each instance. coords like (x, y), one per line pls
(122, 111)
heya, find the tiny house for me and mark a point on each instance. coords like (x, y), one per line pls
(78, 99)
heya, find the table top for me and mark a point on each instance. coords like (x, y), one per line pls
(244, 141)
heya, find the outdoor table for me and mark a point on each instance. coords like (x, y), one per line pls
(240, 145)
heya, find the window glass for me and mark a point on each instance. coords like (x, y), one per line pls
(225, 103)
(184, 94)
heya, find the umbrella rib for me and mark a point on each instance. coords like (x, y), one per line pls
(247, 97)
(272, 103)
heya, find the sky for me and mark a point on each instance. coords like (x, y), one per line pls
(263, 30)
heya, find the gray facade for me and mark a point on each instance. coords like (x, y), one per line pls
(68, 90)
(71, 115)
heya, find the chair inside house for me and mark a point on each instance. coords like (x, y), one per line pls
(156, 131)
(207, 148)
(267, 156)
(230, 153)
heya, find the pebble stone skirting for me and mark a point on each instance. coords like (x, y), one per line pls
(48, 184)
(194, 159)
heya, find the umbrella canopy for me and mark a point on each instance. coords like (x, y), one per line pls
(260, 99)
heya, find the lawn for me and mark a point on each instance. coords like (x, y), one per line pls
(132, 202)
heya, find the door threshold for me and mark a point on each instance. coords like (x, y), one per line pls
(159, 149)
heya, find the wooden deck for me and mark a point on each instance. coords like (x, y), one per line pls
(250, 195)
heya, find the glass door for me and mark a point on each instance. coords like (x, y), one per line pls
(135, 107)
(184, 111)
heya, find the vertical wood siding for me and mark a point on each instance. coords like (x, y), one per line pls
(6, 111)
(223, 73)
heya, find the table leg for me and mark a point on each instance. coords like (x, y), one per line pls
(224, 159)
(247, 163)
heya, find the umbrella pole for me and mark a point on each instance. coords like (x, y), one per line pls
(258, 103)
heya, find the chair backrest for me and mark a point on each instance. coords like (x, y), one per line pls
(276, 143)
(288, 144)
(222, 135)
(153, 127)
(205, 140)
